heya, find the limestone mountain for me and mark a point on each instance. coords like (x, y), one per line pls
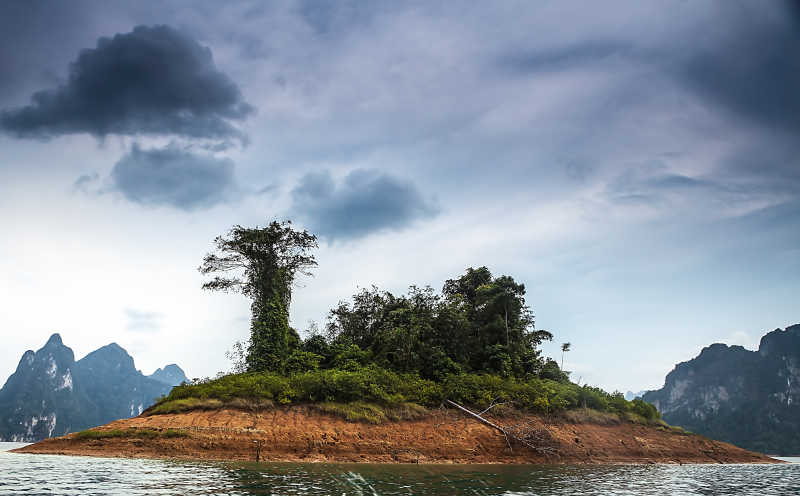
(171, 375)
(748, 398)
(50, 394)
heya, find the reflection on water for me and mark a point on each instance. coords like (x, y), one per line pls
(46, 474)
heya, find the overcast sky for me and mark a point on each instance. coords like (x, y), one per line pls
(634, 164)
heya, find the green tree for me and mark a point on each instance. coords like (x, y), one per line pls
(479, 324)
(501, 333)
(262, 263)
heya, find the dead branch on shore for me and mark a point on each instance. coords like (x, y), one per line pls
(537, 439)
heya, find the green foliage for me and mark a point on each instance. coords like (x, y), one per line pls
(644, 409)
(478, 324)
(551, 370)
(269, 336)
(381, 388)
(302, 361)
(264, 262)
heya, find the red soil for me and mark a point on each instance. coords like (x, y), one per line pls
(446, 436)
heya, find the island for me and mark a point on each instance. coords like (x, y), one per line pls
(424, 377)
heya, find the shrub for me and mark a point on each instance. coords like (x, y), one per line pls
(302, 361)
(645, 409)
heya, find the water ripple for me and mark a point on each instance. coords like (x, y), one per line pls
(66, 475)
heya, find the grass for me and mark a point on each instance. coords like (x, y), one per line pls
(676, 429)
(190, 404)
(184, 405)
(359, 411)
(590, 416)
(356, 411)
(130, 433)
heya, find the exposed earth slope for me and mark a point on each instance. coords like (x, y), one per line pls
(300, 433)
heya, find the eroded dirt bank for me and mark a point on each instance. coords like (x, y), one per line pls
(446, 436)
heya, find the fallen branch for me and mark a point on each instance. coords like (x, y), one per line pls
(477, 416)
(518, 434)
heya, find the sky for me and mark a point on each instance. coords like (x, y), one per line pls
(634, 164)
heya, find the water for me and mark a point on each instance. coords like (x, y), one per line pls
(67, 475)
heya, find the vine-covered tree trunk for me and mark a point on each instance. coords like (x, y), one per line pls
(269, 327)
(269, 338)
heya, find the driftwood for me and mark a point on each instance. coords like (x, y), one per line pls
(523, 434)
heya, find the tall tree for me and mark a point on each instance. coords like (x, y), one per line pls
(565, 347)
(262, 263)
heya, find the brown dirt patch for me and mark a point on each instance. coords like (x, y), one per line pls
(445, 436)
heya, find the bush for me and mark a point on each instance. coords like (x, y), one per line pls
(302, 361)
(645, 409)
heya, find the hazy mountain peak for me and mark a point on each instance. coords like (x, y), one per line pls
(51, 394)
(111, 358)
(171, 375)
(55, 340)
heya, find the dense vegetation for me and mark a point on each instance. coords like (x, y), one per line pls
(474, 343)
(479, 324)
(377, 386)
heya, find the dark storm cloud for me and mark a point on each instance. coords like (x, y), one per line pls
(174, 177)
(753, 66)
(153, 80)
(366, 201)
(37, 37)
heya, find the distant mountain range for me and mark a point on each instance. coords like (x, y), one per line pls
(51, 394)
(748, 398)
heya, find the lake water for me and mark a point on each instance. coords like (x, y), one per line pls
(68, 475)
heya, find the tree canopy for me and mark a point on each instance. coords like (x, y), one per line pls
(478, 324)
